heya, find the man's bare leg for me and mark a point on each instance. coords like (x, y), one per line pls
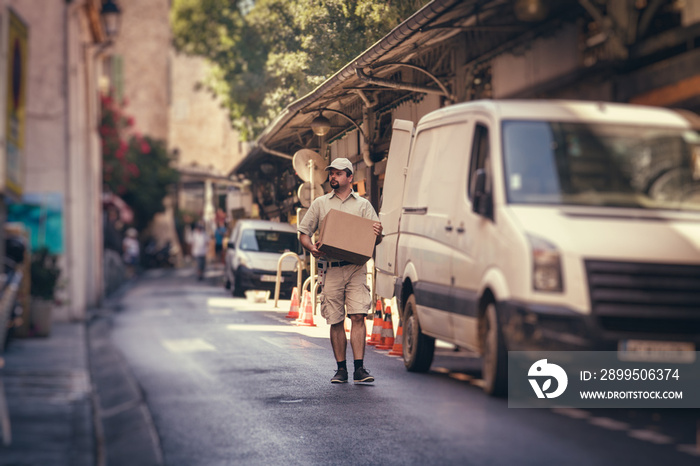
(358, 335)
(339, 341)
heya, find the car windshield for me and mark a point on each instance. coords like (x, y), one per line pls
(601, 165)
(269, 241)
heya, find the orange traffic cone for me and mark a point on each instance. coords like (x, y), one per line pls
(397, 350)
(306, 296)
(377, 325)
(294, 307)
(387, 331)
(308, 314)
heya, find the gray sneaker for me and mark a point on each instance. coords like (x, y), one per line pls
(362, 375)
(341, 376)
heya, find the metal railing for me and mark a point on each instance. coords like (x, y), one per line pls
(278, 278)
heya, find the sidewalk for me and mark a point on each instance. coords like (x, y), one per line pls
(49, 397)
(73, 402)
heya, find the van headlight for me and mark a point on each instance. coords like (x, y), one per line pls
(546, 265)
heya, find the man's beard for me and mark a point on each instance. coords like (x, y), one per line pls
(334, 184)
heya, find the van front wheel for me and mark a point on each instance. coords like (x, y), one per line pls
(495, 363)
(418, 349)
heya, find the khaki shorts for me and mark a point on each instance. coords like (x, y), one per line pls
(344, 288)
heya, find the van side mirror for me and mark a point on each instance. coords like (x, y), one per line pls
(482, 203)
(231, 245)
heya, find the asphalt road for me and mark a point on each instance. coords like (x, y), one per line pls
(233, 382)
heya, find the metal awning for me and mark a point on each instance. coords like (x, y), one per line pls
(373, 79)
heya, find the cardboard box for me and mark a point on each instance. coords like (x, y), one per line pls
(347, 237)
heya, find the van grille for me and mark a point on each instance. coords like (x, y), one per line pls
(645, 298)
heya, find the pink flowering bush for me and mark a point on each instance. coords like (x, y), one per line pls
(135, 167)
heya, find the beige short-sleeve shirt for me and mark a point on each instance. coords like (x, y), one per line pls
(354, 204)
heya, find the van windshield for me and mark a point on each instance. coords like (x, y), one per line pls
(269, 241)
(601, 165)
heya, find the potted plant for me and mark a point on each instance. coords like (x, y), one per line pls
(44, 272)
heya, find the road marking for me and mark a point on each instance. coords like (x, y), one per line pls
(573, 413)
(187, 345)
(607, 423)
(689, 449)
(223, 302)
(243, 305)
(650, 436)
(478, 383)
(314, 332)
(286, 343)
(639, 434)
(462, 377)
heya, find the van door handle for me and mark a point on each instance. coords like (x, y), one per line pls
(461, 229)
(448, 227)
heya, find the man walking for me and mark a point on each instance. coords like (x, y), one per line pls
(200, 247)
(344, 285)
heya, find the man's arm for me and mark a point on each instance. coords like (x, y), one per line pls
(305, 241)
(378, 228)
(371, 214)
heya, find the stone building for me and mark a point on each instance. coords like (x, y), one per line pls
(141, 64)
(69, 60)
(201, 135)
(166, 95)
(60, 160)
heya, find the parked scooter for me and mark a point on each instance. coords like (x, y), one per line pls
(155, 257)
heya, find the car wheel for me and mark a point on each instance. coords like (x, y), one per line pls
(418, 349)
(494, 363)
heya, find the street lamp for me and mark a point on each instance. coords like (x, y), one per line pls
(111, 15)
(320, 125)
(530, 10)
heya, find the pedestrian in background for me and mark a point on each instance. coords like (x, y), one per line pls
(131, 251)
(187, 236)
(219, 235)
(344, 284)
(200, 247)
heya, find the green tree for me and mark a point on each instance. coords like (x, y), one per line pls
(137, 168)
(279, 50)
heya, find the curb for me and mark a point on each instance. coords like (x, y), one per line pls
(125, 433)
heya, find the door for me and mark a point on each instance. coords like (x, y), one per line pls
(390, 206)
(427, 230)
(474, 240)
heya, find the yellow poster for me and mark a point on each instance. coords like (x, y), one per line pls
(17, 80)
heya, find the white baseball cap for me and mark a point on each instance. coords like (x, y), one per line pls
(341, 163)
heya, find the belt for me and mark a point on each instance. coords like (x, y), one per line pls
(339, 263)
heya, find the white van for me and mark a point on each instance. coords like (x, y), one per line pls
(537, 225)
(252, 255)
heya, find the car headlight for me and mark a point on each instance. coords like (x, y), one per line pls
(546, 265)
(243, 260)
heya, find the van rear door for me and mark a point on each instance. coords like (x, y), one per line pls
(391, 204)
